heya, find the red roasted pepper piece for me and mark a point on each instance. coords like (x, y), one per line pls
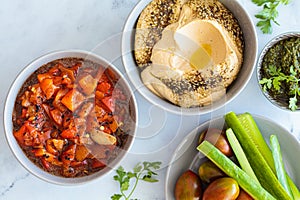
(104, 87)
(109, 102)
(48, 87)
(69, 133)
(56, 116)
(68, 155)
(19, 135)
(72, 100)
(97, 164)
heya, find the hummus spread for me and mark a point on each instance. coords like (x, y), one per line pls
(194, 61)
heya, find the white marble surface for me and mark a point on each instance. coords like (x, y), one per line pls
(32, 28)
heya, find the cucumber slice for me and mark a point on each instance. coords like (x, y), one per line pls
(252, 143)
(239, 154)
(247, 120)
(231, 169)
(294, 189)
(280, 170)
(253, 131)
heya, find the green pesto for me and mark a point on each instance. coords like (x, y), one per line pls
(280, 72)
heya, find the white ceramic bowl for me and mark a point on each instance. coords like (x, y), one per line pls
(250, 54)
(276, 102)
(9, 107)
(185, 154)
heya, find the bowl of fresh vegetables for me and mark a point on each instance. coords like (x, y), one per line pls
(278, 71)
(70, 117)
(236, 156)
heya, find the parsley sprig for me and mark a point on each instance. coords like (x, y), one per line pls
(268, 14)
(276, 80)
(141, 172)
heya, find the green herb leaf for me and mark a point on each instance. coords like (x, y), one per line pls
(125, 184)
(149, 179)
(131, 175)
(116, 197)
(268, 14)
(260, 2)
(292, 71)
(137, 168)
(265, 26)
(293, 103)
(143, 172)
(276, 80)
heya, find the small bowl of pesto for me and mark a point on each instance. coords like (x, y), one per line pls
(278, 71)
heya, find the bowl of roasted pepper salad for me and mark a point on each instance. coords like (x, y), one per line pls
(70, 117)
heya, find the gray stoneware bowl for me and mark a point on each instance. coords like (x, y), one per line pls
(250, 55)
(9, 107)
(282, 104)
(186, 156)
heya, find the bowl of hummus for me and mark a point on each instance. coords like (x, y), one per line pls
(189, 56)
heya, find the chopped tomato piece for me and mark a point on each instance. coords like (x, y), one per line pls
(113, 125)
(24, 113)
(59, 144)
(56, 116)
(39, 152)
(109, 102)
(54, 146)
(19, 135)
(45, 163)
(104, 87)
(48, 87)
(29, 127)
(72, 100)
(41, 77)
(81, 153)
(69, 154)
(69, 133)
(57, 100)
(103, 77)
(99, 95)
(68, 82)
(76, 163)
(66, 71)
(25, 99)
(45, 135)
(97, 164)
(57, 80)
(46, 157)
(37, 96)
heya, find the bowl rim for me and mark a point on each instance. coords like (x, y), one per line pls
(127, 59)
(220, 121)
(265, 49)
(9, 106)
